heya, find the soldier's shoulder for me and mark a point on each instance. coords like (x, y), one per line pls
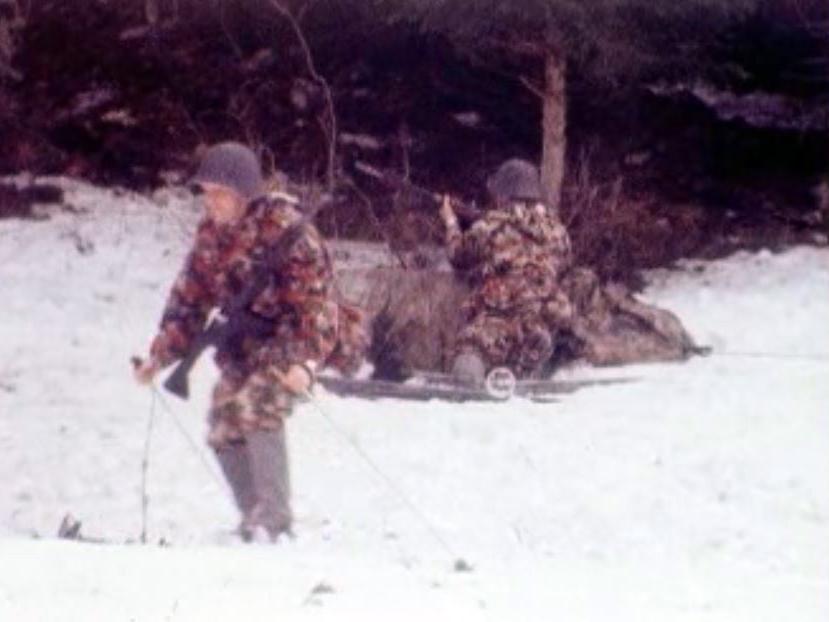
(279, 197)
(276, 207)
(543, 215)
(490, 219)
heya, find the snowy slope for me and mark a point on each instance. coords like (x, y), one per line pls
(700, 492)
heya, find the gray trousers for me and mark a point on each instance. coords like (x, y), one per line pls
(256, 469)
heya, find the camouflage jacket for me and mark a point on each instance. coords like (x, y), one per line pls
(511, 257)
(298, 298)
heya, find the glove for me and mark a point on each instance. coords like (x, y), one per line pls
(298, 379)
(447, 213)
(144, 371)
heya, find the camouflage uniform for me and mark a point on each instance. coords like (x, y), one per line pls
(309, 327)
(512, 258)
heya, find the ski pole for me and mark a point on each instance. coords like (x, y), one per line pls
(460, 564)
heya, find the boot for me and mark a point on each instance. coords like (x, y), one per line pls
(536, 350)
(268, 457)
(233, 459)
(468, 368)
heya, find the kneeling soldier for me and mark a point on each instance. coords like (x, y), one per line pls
(512, 257)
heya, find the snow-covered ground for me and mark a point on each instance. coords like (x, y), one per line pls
(699, 492)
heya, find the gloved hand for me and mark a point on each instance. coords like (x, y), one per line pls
(144, 371)
(298, 379)
(446, 212)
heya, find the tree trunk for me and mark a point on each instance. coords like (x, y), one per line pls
(554, 126)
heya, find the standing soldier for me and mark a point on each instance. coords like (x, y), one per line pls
(512, 258)
(261, 375)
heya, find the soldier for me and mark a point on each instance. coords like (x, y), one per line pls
(261, 376)
(512, 258)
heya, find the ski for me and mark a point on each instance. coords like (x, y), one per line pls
(426, 386)
(410, 390)
(70, 529)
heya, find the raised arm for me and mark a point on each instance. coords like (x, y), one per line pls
(465, 250)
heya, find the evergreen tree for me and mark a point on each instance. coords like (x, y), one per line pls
(614, 41)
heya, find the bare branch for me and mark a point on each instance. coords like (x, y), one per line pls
(228, 35)
(531, 87)
(323, 84)
(10, 28)
(151, 12)
(305, 8)
(376, 222)
(405, 144)
(521, 46)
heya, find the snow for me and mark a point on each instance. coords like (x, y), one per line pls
(698, 492)
(760, 109)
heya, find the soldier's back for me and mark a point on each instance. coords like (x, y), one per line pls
(524, 236)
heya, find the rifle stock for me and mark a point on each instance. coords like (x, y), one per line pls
(222, 334)
(178, 382)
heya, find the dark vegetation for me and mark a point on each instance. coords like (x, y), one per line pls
(721, 144)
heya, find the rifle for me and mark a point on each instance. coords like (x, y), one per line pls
(467, 212)
(227, 330)
(224, 331)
